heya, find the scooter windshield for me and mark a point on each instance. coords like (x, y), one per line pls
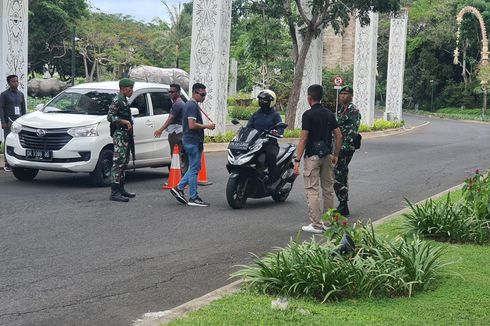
(247, 135)
(244, 138)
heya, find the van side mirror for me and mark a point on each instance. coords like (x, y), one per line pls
(40, 107)
(134, 112)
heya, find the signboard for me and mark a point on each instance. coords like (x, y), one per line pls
(338, 81)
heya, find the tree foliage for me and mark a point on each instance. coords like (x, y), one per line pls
(50, 26)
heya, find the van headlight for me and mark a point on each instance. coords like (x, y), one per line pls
(85, 131)
(16, 127)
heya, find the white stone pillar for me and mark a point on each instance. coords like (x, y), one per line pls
(13, 43)
(313, 67)
(211, 24)
(365, 68)
(396, 66)
(233, 77)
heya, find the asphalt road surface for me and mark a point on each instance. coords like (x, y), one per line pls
(69, 256)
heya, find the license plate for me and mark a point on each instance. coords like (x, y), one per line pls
(39, 155)
(238, 145)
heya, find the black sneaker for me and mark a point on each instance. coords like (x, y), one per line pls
(197, 202)
(179, 195)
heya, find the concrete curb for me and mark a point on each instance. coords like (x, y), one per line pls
(162, 317)
(159, 318)
(222, 147)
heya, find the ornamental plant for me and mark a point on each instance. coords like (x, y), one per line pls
(377, 268)
(476, 193)
(466, 220)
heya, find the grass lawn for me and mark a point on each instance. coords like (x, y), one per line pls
(454, 113)
(462, 298)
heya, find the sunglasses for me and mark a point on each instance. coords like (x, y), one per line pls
(202, 94)
(172, 92)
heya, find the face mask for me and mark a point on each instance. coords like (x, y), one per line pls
(265, 105)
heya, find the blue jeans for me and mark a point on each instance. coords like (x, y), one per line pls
(190, 177)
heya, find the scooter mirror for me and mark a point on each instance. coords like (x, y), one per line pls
(235, 121)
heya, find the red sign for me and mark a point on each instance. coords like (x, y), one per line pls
(337, 81)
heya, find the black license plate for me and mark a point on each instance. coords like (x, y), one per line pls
(38, 155)
(238, 145)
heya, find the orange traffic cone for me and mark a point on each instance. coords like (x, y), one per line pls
(202, 177)
(175, 174)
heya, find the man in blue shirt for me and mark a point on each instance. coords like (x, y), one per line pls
(193, 140)
(173, 125)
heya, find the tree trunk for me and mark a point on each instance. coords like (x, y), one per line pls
(177, 56)
(299, 69)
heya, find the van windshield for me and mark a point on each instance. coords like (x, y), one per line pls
(81, 102)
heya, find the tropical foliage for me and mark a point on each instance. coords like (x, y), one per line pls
(378, 268)
(464, 220)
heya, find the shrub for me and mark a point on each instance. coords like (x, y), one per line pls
(381, 124)
(32, 102)
(241, 112)
(292, 133)
(377, 268)
(222, 138)
(466, 220)
(1, 148)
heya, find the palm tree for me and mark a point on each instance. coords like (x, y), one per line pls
(174, 35)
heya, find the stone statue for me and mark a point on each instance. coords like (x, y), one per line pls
(45, 87)
(157, 75)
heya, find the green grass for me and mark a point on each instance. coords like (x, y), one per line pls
(461, 298)
(1, 148)
(455, 113)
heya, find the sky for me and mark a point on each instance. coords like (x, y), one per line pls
(142, 10)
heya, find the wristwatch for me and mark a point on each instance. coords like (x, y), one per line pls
(296, 160)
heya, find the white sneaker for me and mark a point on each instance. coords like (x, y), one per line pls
(7, 168)
(311, 228)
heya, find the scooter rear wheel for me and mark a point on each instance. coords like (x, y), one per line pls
(235, 194)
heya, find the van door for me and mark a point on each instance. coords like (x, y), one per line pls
(143, 129)
(161, 104)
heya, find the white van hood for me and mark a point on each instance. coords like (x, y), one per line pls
(58, 120)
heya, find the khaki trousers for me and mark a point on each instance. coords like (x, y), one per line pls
(318, 172)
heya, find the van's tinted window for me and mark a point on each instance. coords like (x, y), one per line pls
(81, 102)
(141, 104)
(161, 103)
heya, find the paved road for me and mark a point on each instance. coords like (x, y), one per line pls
(68, 256)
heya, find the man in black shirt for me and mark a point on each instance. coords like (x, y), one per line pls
(12, 106)
(318, 125)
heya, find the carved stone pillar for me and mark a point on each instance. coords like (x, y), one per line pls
(13, 43)
(365, 68)
(211, 23)
(233, 77)
(313, 68)
(396, 66)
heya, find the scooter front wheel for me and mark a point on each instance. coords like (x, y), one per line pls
(236, 193)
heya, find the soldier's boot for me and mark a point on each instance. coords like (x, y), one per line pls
(126, 194)
(116, 193)
(343, 209)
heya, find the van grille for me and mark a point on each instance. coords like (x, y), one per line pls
(46, 139)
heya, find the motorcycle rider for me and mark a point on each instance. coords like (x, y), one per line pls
(264, 119)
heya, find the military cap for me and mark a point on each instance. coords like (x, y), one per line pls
(126, 82)
(347, 88)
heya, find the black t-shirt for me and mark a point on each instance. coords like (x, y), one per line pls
(319, 122)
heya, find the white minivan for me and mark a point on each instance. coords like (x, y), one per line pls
(71, 132)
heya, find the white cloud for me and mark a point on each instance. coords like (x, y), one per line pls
(143, 10)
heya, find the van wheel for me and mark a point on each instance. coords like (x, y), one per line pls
(101, 176)
(24, 174)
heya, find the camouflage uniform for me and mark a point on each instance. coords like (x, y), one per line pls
(119, 110)
(349, 120)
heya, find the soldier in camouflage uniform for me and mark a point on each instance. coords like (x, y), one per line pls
(349, 119)
(119, 116)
